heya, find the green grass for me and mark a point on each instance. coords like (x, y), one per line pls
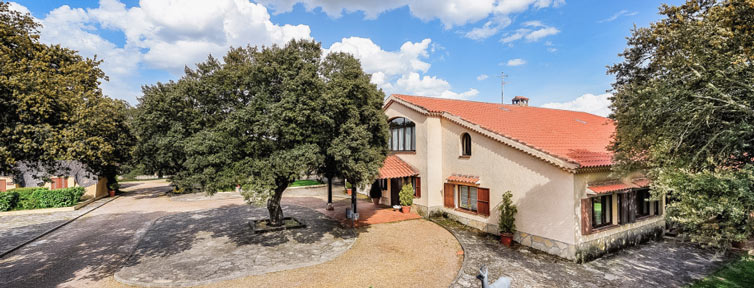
(299, 183)
(739, 273)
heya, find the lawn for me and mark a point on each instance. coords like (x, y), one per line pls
(299, 183)
(740, 273)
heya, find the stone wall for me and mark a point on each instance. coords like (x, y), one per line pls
(593, 249)
(549, 246)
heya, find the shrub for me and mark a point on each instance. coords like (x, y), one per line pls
(407, 195)
(508, 210)
(375, 191)
(38, 197)
(8, 200)
(26, 200)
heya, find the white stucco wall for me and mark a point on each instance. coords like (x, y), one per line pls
(542, 191)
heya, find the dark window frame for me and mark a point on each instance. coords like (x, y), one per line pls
(405, 131)
(465, 144)
(604, 201)
(643, 203)
(472, 204)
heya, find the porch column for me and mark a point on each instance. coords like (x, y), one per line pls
(329, 193)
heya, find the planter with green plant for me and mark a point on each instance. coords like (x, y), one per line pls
(375, 192)
(406, 196)
(113, 187)
(348, 187)
(507, 221)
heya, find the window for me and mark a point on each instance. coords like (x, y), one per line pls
(402, 135)
(466, 144)
(602, 214)
(467, 197)
(642, 203)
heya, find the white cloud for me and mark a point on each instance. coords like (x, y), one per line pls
(161, 34)
(541, 33)
(536, 31)
(618, 15)
(482, 77)
(374, 59)
(516, 62)
(399, 71)
(432, 86)
(590, 103)
(18, 7)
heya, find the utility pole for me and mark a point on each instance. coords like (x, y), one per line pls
(502, 87)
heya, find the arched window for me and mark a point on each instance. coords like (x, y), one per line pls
(466, 144)
(402, 136)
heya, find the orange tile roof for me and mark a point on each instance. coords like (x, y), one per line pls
(609, 188)
(575, 137)
(394, 167)
(641, 182)
(463, 179)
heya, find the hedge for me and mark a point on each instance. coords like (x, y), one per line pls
(35, 198)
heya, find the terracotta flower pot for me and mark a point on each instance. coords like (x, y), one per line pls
(506, 239)
(406, 209)
(112, 193)
(348, 191)
(376, 201)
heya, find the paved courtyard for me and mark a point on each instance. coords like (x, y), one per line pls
(194, 248)
(655, 264)
(18, 229)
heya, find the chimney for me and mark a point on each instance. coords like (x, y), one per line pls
(520, 101)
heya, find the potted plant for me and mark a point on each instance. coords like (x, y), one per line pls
(406, 196)
(376, 193)
(113, 187)
(348, 187)
(507, 221)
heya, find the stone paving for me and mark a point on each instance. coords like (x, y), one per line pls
(18, 229)
(655, 264)
(195, 248)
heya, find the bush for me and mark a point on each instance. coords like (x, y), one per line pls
(407, 195)
(35, 198)
(508, 210)
(375, 191)
(8, 200)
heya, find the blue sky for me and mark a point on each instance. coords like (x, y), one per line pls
(553, 51)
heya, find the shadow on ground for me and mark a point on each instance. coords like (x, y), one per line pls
(653, 264)
(194, 248)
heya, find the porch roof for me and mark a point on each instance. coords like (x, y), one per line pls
(605, 188)
(464, 179)
(394, 167)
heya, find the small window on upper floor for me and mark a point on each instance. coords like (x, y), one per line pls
(466, 144)
(402, 135)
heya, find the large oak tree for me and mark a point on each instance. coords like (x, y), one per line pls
(684, 108)
(262, 118)
(52, 106)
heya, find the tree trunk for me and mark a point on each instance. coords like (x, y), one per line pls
(273, 206)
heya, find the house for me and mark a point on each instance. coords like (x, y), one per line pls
(461, 156)
(67, 174)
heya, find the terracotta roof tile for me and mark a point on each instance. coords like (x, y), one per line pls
(576, 137)
(394, 167)
(463, 179)
(641, 182)
(609, 188)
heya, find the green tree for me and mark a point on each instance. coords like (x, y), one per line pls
(683, 104)
(261, 119)
(52, 105)
(356, 124)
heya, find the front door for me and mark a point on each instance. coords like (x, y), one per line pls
(395, 188)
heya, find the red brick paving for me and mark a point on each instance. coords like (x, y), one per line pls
(368, 212)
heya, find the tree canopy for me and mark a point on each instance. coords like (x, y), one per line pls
(261, 118)
(683, 104)
(53, 108)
